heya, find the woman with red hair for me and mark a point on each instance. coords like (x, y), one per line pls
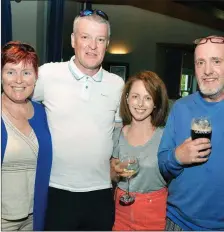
(26, 148)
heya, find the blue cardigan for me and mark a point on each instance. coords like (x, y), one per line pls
(39, 124)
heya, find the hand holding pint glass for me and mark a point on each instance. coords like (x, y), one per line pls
(197, 148)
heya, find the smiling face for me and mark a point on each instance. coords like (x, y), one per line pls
(18, 81)
(209, 70)
(89, 41)
(140, 102)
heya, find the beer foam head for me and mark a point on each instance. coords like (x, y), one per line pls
(201, 125)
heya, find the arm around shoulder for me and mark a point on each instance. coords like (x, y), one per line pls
(38, 94)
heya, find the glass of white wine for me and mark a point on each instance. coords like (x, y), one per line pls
(130, 166)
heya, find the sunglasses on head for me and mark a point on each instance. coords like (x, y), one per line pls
(215, 39)
(25, 47)
(84, 13)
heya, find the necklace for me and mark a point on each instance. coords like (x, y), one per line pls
(21, 117)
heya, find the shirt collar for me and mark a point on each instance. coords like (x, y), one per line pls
(79, 75)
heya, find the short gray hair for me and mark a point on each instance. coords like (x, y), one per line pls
(93, 17)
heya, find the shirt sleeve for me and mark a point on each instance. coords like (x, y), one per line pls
(116, 138)
(168, 164)
(38, 94)
(117, 113)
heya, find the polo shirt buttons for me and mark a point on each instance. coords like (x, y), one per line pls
(86, 81)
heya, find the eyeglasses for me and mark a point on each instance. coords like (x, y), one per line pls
(25, 47)
(91, 12)
(215, 39)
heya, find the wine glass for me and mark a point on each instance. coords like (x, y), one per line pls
(130, 166)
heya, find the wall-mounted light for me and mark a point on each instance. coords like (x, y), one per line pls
(118, 49)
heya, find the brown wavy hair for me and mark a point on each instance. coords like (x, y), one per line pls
(156, 88)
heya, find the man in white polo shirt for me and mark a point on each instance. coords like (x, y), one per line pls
(82, 101)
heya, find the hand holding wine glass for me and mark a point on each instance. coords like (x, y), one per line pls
(121, 168)
(130, 167)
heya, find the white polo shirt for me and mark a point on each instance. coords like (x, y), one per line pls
(81, 112)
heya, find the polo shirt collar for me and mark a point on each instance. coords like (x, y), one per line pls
(79, 75)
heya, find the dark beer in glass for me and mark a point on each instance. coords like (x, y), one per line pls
(201, 128)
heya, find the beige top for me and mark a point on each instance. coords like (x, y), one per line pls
(18, 172)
